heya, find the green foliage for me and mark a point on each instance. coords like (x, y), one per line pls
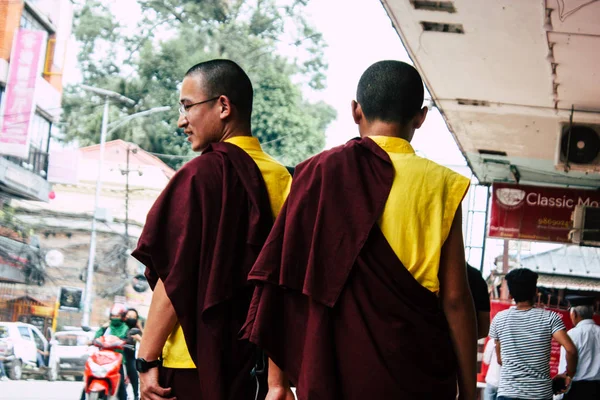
(172, 36)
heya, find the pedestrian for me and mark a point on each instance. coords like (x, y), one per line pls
(134, 336)
(362, 285)
(492, 378)
(523, 336)
(481, 299)
(585, 384)
(3, 376)
(200, 240)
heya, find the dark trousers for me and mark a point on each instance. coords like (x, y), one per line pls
(40, 360)
(583, 390)
(184, 383)
(132, 373)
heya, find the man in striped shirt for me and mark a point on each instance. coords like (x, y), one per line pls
(523, 336)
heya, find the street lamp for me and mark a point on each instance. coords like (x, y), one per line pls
(113, 126)
(108, 95)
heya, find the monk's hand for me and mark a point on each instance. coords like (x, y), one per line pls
(280, 393)
(150, 388)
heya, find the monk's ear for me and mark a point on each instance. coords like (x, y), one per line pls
(420, 118)
(357, 113)
(225, 107)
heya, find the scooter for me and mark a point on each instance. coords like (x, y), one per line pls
(103, 369)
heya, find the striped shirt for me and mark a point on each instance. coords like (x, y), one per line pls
(525, 338)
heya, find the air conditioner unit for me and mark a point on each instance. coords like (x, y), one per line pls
(586, 226)
(578, 150)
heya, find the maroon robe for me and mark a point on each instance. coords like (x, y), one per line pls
(201, 238)
(334, 307)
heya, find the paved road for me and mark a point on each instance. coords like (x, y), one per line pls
(40, 390)
(43, 390)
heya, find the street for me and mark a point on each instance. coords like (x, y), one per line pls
(43, 390)
(38, 390)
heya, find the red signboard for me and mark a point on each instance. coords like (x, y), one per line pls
(536, 213)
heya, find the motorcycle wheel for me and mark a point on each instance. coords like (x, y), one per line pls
(96, 396)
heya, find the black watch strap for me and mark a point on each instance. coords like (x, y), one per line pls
(141, 365)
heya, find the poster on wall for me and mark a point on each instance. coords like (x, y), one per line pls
(536, 212)
(70, 298)
(18, 105)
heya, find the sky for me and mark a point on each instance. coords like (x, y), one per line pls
(362, 35)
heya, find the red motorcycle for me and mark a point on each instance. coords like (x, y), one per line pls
(103, 369)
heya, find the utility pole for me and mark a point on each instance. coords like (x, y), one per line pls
(108, 95)
(127, 199)
(130, 149)
(504, 295)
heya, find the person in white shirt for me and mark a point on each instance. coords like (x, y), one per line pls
(492, 378)
(586, 336)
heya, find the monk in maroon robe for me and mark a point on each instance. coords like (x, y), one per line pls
(336, 309)
(200, 240)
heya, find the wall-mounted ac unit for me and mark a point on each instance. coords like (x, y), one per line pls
(579, 149)
(586, 226)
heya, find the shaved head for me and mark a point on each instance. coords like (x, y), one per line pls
(225, 78)
(390, 91)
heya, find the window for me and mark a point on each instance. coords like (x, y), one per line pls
(73, 339)
(25, 333)
(40, 132)
(37, 161)
(3, 332)
(28, 21)
(67, 340)
(39, 342)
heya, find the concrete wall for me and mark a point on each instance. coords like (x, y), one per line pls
(10, 16)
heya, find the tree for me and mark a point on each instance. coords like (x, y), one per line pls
(173, 35)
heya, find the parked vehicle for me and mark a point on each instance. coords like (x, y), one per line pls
(103, 369)
(72, 350)
(20, 345)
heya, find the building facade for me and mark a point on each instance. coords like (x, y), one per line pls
(33, 41)
(131, 179)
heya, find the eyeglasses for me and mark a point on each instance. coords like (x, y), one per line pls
(185, 108)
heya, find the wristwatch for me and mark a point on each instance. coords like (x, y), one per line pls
(142, 365)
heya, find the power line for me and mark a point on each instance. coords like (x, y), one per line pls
(561, 9)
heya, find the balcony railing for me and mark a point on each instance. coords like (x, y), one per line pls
(37, 162)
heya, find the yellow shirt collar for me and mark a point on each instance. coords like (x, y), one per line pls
(393, 144)
(245, 142)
